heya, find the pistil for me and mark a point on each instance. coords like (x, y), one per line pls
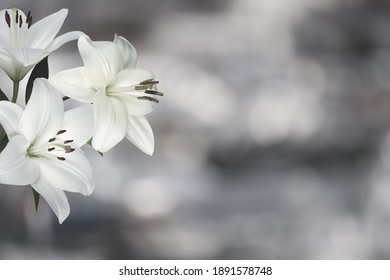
(53, 145)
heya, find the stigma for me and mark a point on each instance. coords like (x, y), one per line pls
(60, 145)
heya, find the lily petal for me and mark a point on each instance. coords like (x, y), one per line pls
(27, 56)
(102, 60)
(14, 69)
(73, 174)
(42, 33)
(128, 78)
(43, 115)
(55, 197)
(63, 39)
(131, 77)
(128, 51)
(10, 115)
(15, 167)
(78, 124)
(73, 83)
(135, 106)
(5, 31)
(110, 116)
(140, 134)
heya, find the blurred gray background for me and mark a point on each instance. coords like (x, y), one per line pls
(272, 141)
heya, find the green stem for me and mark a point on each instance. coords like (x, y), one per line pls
(15, 91)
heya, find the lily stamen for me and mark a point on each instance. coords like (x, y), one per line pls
(29, 19)
(18, 19)
(140, 87)
(66, 148)
(61, 131)
(68, 141)
(148, 98)
(155, 92)
(8, 19)
(61, 158)
(147, 86)
(149, 82)
(52, 139)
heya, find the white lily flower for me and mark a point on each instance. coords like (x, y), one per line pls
(121, 94)
(44, 147)
(23, 44)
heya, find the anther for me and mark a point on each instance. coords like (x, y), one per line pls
(61, 131)
(155, 92)
(20, 21)
(149, 82)
(148, 98)
(60, 158)
(68, 141)
(17, 16)
(52, 139)
(7, 19)
(29, 19)
(51, 149)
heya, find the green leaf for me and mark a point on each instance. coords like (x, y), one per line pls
(41, 70)
(3, 135)
(3, 96)
(3, 140)
(36, 198)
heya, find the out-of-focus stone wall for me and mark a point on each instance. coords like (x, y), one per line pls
(272, 140)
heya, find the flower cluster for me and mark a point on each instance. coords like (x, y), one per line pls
(41, 144)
